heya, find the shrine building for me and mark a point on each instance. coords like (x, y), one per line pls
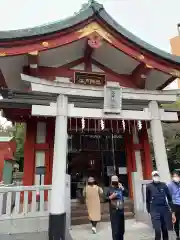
(89, 92)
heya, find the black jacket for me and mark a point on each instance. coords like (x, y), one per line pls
(158, 196)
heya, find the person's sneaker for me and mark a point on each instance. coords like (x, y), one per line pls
(94, 230)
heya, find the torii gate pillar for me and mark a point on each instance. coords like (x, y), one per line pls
(57, 216)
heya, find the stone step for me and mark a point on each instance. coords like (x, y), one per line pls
(76, 212)
(79, 214)
(105, 218)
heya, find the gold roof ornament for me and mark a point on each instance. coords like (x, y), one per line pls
(95, 28)
(140, 57)
(45, 44)
(149, 66)
(3, 54)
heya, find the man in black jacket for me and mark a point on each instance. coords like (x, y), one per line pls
(159, 206)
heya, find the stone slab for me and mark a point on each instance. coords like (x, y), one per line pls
(134, 230)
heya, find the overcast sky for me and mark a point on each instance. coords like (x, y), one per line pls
(152, 20)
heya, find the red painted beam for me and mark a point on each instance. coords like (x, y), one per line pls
(40, 46)
(123, 79)
(139, 75)
(87, 57)
(50, 73)
(43, 38)
(136, 52)
(69, 36)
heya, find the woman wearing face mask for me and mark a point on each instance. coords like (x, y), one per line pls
(174, 188)
(159, 206)
(92, 194)
(116, 208)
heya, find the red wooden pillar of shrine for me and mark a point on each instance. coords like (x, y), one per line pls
(29, 153)
(49, 154)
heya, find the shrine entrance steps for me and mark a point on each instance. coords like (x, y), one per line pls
(79, 214)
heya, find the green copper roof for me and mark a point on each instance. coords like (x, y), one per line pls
(87, 11)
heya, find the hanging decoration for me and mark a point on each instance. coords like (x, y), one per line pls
(139, 124)
(102, 124)
(82, 123)
(95, 40)
(124, 125)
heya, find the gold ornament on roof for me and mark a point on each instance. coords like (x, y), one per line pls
(141, 57)
(45, 44)
(149, 66)
(175, 73)
(95, 28)
(2, 54)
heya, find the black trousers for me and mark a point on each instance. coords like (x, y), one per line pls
(163, 230)
(94, 223)
(117, 224)
(161, 218)
(177, 213)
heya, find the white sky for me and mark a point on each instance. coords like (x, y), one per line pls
(153, 21)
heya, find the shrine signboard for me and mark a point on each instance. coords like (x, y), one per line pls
(85, 78)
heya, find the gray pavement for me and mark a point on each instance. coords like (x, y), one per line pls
(134, 230)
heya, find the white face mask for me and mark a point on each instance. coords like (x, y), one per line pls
(156, 179)
(176, 179)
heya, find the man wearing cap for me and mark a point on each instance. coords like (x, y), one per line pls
(159, 206)
(116, 208)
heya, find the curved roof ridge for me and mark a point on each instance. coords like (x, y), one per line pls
(86, 11)
(136, 40)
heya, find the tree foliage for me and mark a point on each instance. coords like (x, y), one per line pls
(19, 135)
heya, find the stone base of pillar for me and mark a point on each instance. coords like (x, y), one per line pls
(57, 226)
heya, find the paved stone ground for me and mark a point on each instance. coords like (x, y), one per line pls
(134, 231)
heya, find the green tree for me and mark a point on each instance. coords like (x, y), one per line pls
(19, 135)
